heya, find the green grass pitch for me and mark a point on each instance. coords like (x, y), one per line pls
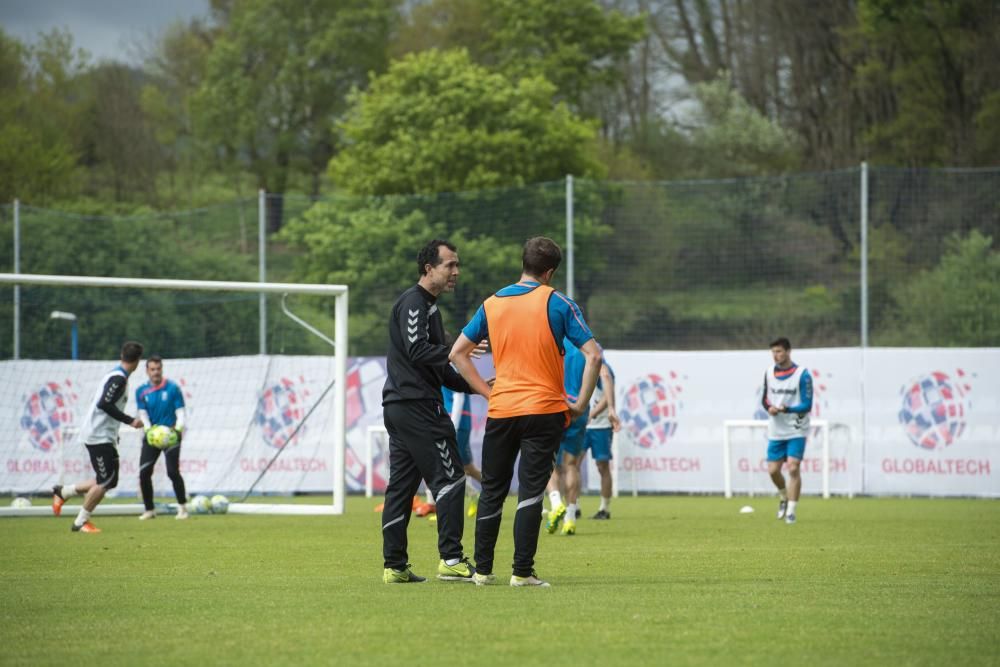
(669, 580)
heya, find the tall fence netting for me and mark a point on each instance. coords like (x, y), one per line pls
(688, 265)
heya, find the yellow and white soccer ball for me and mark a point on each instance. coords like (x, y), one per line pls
(200, 505)
(20, 503)
(220, 504)
(161, 437)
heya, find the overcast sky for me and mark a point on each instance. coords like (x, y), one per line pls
(108, 29)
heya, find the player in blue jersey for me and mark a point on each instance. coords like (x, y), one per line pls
(787, 397)
(459, 407)
(566, 475)
(526, 323)
(161, 403)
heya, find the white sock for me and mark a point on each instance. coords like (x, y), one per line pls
(69, 491)
(430, 497)
(451, 562)
(555, 499)
(82, 518)
(783, 493)
(571, 512)
(605, 503)
(791, 506)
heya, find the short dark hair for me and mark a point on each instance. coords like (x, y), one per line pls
(131, 351)
(781, 342)
(539, 255)
(154, 359)
(431, 254)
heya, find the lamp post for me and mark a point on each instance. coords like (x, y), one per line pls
(62, 315)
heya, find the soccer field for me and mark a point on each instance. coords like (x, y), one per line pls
(669, 580)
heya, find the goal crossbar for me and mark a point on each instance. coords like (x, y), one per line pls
(727, 467)
(340, 337)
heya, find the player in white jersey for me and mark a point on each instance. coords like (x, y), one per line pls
(787, 397)
(100, 434)
(601, 426)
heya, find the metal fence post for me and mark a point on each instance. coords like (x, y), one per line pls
(262, 263)
(570, 286)
(864, 254)
(864, 314)
(17, 288)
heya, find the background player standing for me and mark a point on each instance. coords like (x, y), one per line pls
(601, 427)
(787, 397)
(160, 403)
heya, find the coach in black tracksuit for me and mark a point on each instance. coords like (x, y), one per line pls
(422, 443)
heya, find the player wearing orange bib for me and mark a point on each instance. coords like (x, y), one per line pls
(528, 411)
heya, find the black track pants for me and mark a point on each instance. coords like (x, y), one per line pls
(422, 446)
(536, 438)
(147, 459)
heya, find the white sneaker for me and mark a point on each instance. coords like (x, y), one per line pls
(148, 514)
(790, 518)
(484, 579)
(531, 580)
(182, 512)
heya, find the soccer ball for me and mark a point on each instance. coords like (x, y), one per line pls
(220, 504)
(20, 503)
(161, 437)
(200, 505)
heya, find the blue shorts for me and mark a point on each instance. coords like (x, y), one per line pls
(464, 447)
(779, 450)
(573, 437)
(598, 441)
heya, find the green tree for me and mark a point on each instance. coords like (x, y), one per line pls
(957, 303)
(575, 44)
(175, 67)
(117, 139)
(437, 122)
(38, 114)
(929, 79)
(277, 78)
(372, 247)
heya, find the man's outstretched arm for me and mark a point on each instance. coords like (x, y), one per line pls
(460, 357)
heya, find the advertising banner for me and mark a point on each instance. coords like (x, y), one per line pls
(901, 422)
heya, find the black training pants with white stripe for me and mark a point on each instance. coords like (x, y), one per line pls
(536, 439)
(422, 446)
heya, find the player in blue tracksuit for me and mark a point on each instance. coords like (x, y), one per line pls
(788, 398)
(459, 407)
(573, 446)
(161, 403)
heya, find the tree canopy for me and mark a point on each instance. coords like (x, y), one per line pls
(437, 122)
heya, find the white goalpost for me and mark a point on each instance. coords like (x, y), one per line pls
(731, 425)
(336, 439)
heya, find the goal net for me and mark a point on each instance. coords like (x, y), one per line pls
(255, 423)
(744, 460)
